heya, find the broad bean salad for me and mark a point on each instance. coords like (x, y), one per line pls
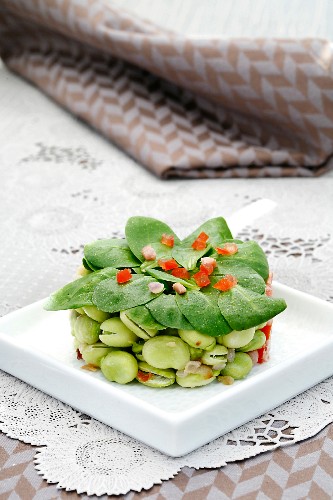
(160, 310)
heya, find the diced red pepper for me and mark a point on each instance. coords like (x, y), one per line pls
(167, 264)
(123, 276)
(181, 272)
(203, 237)
(168, 240)
(144, 376)
(201, 279)
(78, 354)
(263, 351)
(200, 242)
(267, 330)
(227, 249)
(226, 283)
(207, 268)
(198, 245)
(263, 354)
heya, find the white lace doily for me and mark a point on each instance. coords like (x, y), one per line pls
(70, 186)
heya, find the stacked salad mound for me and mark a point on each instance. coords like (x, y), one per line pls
(162, 310)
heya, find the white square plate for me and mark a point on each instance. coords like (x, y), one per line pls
(37, 347)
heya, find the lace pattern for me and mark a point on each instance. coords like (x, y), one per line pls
(71, 187)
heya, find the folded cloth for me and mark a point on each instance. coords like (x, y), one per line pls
(182, 106)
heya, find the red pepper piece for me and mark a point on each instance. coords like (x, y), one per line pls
(168, 240)
(207, 268)
(201, 279)
(227, 249)
(144, 376)
(226, 283)
(267, 330)
(167, 264)
(78, 354)
(198, 245)
(200, 242)
(263, 354)
(123, 276)
(263, 351)
(181, 272)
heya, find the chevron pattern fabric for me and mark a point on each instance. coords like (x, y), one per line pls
(183, 107)
(299, 471)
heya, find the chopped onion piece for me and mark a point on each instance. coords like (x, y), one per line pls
(148, 252)
(231, 355)
(156, 287)
(181, 374)
(90, 367)
(179, 288)
(254, 356)
(208, 261)
(192, 367)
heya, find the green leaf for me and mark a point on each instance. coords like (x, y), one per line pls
(186, 256)
(166, 311)
(246, 276)
(112, 297)
(217, 230)
(79, 292)
(251, 254)
(110, 253)
(142, 231)
(244, 308)
(162, 276)
(202, 311)
(142, 317)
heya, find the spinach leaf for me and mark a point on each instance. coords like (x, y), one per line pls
(244, 308)
(110, 253)
(162, 276)
(246, 276)
(112, 297)
(142, 231)
(88, 266)
(202, 311)
(186, 256)
(166, 311)
(79, 292)
(217, 230)
(142, 317)
(251, 254)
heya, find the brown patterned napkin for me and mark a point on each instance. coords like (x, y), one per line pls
(186, 107)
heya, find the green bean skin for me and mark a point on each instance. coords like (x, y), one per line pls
(120, 367)
(95, 313)
(86, 330)
(240, 367)
(116, 334)
(143, 334)
(215, 356)
(237, 339)
(197, 339)
(166, 351)
(196, 354)
(157, 378)
(257, 342)
(94, 353)
(203, 376)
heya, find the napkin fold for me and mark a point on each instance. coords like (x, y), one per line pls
(182, 106)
